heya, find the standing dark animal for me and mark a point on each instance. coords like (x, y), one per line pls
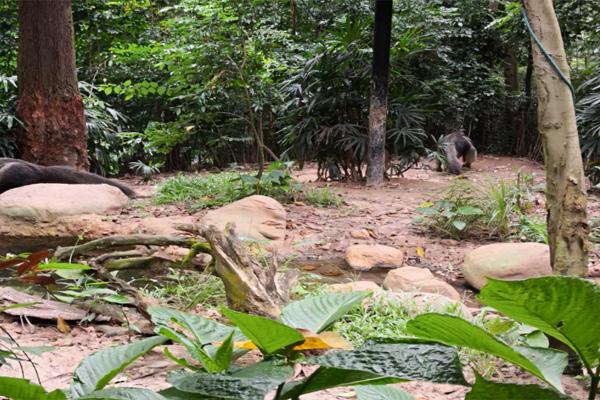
(456, 145)
(16, 173)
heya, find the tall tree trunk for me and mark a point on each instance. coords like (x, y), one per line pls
(527, 143)
(49, 103)
(379, 88)
(514, 115)
(294, 7)
(565, 185)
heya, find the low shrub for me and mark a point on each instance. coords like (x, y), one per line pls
(493, 210)
(322, 197)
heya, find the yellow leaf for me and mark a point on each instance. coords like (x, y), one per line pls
(313, 341)
(426, 204)
(62, 325)
(420, 251)
(322, 341)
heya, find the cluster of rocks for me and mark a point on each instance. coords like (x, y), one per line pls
(500, 261)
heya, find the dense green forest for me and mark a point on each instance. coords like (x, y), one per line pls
(187, 84)
(299, 199)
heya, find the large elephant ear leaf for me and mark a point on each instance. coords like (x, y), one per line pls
(485, 390)
(381, 392)
(316, 313)
(566, 308)
(95, 371)
(124, 393)
(454, 331)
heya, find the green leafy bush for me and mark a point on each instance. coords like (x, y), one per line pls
(458, 214)
(468, 209)
(531, 229)
(322, 197)
(223, 188)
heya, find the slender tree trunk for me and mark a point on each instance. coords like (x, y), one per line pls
(379, 88)
(294, 7)
(529, 138)
(565, 185)
(514, 115)
(49, 103)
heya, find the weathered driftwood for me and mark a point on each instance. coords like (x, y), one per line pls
(249, 286)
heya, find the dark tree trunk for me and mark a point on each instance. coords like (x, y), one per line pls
(379, 88)
(294, 16)
(514, 113)
(49, 103)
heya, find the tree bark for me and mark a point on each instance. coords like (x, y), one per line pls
(565, 185)
(514, 115)
(49, 103)
(379, 88)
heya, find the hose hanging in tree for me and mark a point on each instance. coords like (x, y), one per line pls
(546, 54)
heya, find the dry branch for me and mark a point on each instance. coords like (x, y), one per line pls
(63, 253)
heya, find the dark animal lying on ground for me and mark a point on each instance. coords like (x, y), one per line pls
(16, 173)
(456, 145)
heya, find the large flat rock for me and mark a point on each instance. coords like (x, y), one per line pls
(48, 201)
(509, 261)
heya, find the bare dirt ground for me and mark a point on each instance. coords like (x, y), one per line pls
(317, 239)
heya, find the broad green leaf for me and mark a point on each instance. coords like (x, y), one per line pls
(268, 335)
(22, 389)
(551, 362)
(399, 360)
(460, 225)
(123, 393)
(326, 377)
(565, 308)
(242, 385)
(58, 266)
(208, 330)
(485, 390)
(174, 394)
(537, 339)
(316, 313)
(454, 331)
(96, 370)
(427, 210)
(370, 392)
(469, 210)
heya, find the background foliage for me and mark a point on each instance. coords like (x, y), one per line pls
(189, 83)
